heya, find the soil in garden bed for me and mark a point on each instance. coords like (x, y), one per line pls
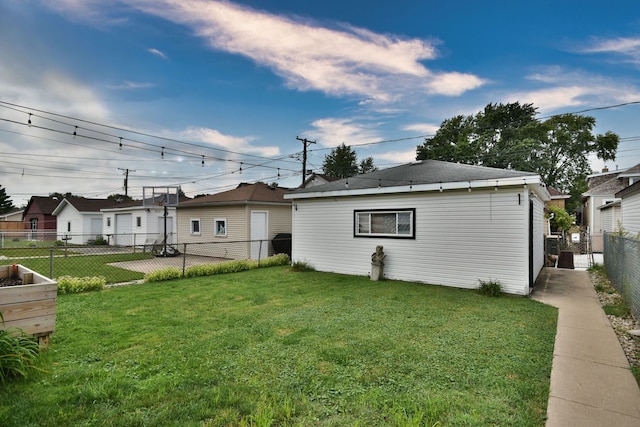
(8, 281)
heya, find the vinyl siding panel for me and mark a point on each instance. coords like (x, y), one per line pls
(609, 218)
(631, 213)
(235, 245)
(460, 237)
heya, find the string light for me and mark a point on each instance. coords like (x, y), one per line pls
(469, 189)
(29, 120)
(240, 168)
(379, 183)
(278, 173)
(441, 190)
(346, 183)
(120, 143)
(202, 163)
(162, 153)
(75, 132)
(410, 184)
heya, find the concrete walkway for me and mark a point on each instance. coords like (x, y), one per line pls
(591, 381)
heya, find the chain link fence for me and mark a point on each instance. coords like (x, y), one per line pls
(131, 262)
(622, 261)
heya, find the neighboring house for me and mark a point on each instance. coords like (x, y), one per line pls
(38, 218)
(11, 225)
(79, 219)
(610, 216)
(440, 223)
(133, 223)
(237, 224)
(316, 179)
(602, 191)
(630, 205)
(558, 198)
(13, 216)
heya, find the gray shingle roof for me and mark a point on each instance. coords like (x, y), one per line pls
(421, 172)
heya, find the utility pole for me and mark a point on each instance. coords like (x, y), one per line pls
(126, 179)
(305, 143)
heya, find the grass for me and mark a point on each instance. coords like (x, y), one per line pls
(273, 347)
(80, 266)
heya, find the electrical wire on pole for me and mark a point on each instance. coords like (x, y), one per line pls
(305, 143)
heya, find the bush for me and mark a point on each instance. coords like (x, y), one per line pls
(19, 353)
(490, 288)
(100, 241)
(72, 285)
(169, 273)
(302, 266)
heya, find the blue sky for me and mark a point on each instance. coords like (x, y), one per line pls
(234, 83)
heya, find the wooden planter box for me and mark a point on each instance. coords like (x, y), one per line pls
(30, 306)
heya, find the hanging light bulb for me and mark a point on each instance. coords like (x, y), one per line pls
(202, 163)
(278, 172)
(240, 168)
(379, 183)
(469, 189)
(29, 120)
(162, 153)
(346, 183)
(120, 143)
(411, 184)
(441, 190)
(75, 132)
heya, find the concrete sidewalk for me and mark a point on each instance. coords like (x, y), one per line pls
(591, 381)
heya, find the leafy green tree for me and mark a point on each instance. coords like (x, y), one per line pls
(367, 165)
(6, 205)
(561, 219)
(509, 136)
(341, 162)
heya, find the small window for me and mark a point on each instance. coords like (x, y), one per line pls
(108, 221)
(385, 223)
(138, 221)
(195, 226)
(68, 226)
(220, 227)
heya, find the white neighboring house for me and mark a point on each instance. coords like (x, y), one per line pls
(630, 206)
(79, 220)
(610, 216)
(131, 223)
(440, 223)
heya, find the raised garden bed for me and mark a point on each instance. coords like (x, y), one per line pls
(28, 301)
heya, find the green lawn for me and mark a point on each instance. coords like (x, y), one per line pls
(272, 347)
(74, 264)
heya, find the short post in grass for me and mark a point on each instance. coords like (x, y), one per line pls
(377, 263)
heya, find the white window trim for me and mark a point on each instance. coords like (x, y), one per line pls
(412, 223)
(215, 227)
(191, 222)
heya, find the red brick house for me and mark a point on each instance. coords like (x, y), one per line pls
(38, 218)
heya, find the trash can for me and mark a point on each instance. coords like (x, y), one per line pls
(281, 244)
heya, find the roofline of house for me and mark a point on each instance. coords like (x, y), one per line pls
(133, 208)
(613, 172)
(234, 203)
(529, 180)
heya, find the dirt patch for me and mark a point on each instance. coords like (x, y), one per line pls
(7, 281)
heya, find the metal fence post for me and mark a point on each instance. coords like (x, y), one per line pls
(51, 262)
(184, 259)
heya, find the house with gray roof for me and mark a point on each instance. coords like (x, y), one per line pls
(438, 222)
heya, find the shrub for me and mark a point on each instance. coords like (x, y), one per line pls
(100, 241)
(302, 266)
(72, 285)
(58, 243)
(169, 273)
(276, 260)
(490, 288)
(19, 353)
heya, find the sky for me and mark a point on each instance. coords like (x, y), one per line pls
(206, 94)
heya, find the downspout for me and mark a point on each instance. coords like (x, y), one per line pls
(527, 242)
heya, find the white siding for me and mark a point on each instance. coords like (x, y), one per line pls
(461, 237)
(609, 218)
(631, 213)
(66, 215)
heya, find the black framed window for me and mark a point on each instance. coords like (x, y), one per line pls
(396, 223)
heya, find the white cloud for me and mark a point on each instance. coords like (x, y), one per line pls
(625, 46)
(422, 128)
(567, 88)
(340, 61)
(158, 53)
(397, 156)
(127, 85)
(331, 132)
(227, 142)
